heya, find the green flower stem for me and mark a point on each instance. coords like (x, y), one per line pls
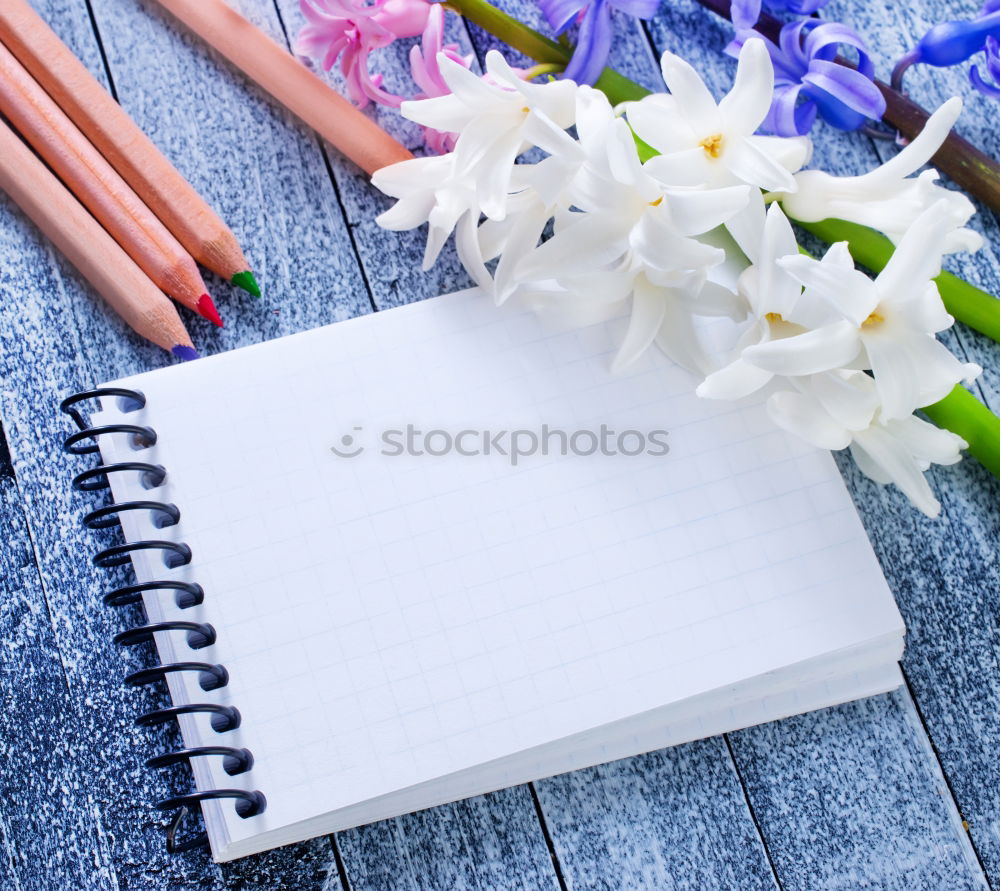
(965, 415)
(615, 86)
(965, 302)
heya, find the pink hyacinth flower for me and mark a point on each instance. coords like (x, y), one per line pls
(426, 73)
(351, 30)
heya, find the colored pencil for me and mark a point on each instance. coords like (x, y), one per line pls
(101, 190)
(82, 240)
(278, 72)
(118, 138)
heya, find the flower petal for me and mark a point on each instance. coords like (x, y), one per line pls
(734, 381)
(586, 238)
(694, 102)
(717, 301)
(923, 147)
(747, 103)
(791, 152)
(697, 212)
(593, 44)
(928, 442)
(847, 87)
(826, 348)
(407, 213)
(897, 375)
(440, 112)
(748, 162)
(745, 227)
(521, 241)
(917, 257)
(805, 418)
(850, 291)
(894, 461)
(677, 336)
(849, 398)
(690, 167)
(467, 247)
(775, 288)
(648, 311)
(561, 13)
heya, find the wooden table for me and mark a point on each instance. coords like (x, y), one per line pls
(897, 792)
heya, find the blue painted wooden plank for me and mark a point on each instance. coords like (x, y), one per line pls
(673, 819)
(485, 843)
(49, 834)
(847, 800)
(945, 576)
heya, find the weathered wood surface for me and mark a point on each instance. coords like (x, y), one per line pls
(844, 798)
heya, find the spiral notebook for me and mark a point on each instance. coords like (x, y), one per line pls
(440, 550)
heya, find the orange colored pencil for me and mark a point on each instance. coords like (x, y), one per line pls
(102, 191)
(118, 138)
(82, 240)
(274, 69)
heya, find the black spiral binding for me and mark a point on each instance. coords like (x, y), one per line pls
(186, 594)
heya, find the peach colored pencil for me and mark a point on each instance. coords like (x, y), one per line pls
(274, 69)
(102, 191)
(117, 137)
(80, 238)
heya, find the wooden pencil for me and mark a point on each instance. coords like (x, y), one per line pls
(83, 241)
(278, 72)
(101, 190)
(118, 138)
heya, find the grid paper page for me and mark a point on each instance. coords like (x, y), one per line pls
(386, 620)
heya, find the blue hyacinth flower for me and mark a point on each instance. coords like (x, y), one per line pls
(808, 82)
(951, 43)
(745, 13)
(596, 31)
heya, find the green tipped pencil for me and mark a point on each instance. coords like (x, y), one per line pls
(247, 282)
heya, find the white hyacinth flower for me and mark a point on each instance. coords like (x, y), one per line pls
(887, 325)
(497, 118)
(779, 308)
(429, 190)
(889, 198)
(704, 143)
(629, 236)
(841, 409)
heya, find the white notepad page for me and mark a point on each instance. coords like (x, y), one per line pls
(387, 620)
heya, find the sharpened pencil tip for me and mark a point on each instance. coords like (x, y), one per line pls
(185, 352)
(207, 308)
(247, 282)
